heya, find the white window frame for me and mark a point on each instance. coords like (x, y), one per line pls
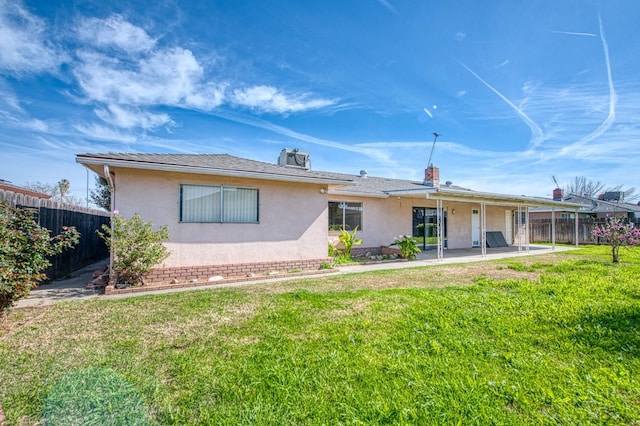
(361, 226)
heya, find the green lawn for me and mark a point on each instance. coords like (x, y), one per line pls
(533, 340)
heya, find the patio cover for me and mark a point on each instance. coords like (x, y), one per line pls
(521, 202)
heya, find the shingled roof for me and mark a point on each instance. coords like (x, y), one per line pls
(372, 185)
(222, 164)
(8, 186)
(594, 205)
(339, 183)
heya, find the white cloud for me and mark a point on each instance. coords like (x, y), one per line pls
(12, 114)
(166, 77)
(115, 31)
(269, 99)
(129, 118)
(23, 42)
(124, 71)
(8, 98)
(20, 121)
(98, 132)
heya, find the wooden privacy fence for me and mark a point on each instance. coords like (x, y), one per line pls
(540, 230)
(53, 215)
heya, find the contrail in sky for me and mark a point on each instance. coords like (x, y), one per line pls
(377, 154)
(575, 33)
(389, 6)
(613, 100)
(537, 135)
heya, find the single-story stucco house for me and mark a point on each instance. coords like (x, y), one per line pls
(232, 216)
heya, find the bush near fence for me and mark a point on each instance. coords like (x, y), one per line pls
(53, 215)
(540, 230)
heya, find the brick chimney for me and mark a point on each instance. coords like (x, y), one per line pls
(432, 176)
(557, 194)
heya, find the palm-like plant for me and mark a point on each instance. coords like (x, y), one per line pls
(348, 240)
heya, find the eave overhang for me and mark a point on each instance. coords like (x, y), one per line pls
(359, 194)
(97, 163)
(446, 194)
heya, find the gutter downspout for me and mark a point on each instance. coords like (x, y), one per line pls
(112, 190)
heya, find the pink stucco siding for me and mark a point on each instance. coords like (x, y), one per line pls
(292, 223)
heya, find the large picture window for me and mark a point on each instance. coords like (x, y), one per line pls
(345, 215)
(205, 203)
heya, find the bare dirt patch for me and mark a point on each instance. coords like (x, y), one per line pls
(16, 318)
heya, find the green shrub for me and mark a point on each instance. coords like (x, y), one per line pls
(333, 250)
(136, 247)
(407, 245)
(326, 265)
(25, 248)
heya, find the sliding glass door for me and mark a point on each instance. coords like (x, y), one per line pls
(425, 223)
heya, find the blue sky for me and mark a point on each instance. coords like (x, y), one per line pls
(518, 90)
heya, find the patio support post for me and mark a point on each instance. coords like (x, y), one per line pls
(553, 229)
(439, 224)
(526, 232)
(576, 229)
(483, 230)
(112, 195)
(519, 222)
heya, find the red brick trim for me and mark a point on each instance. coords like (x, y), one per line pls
(389, 250)
(110, 289)
(191, 276)
(364, 251)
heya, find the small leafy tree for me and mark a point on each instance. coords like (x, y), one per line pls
(407, 245)
(25, 248)
(348, 240)
(101, 195)
(617, 233)
(136, 247)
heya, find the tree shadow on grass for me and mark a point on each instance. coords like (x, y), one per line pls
(616, 331)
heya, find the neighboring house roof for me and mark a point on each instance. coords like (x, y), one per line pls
(339, 183)
(590, 205)
(8, 186)
(595, 205)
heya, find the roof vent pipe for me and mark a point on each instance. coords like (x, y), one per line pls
(363, 174)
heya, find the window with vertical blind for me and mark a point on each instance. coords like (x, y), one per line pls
(221, 204)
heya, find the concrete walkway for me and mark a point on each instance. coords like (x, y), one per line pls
(429, 257)
(70, 288)
(73, 288)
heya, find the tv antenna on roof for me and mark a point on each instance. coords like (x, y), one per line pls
(435, 138)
